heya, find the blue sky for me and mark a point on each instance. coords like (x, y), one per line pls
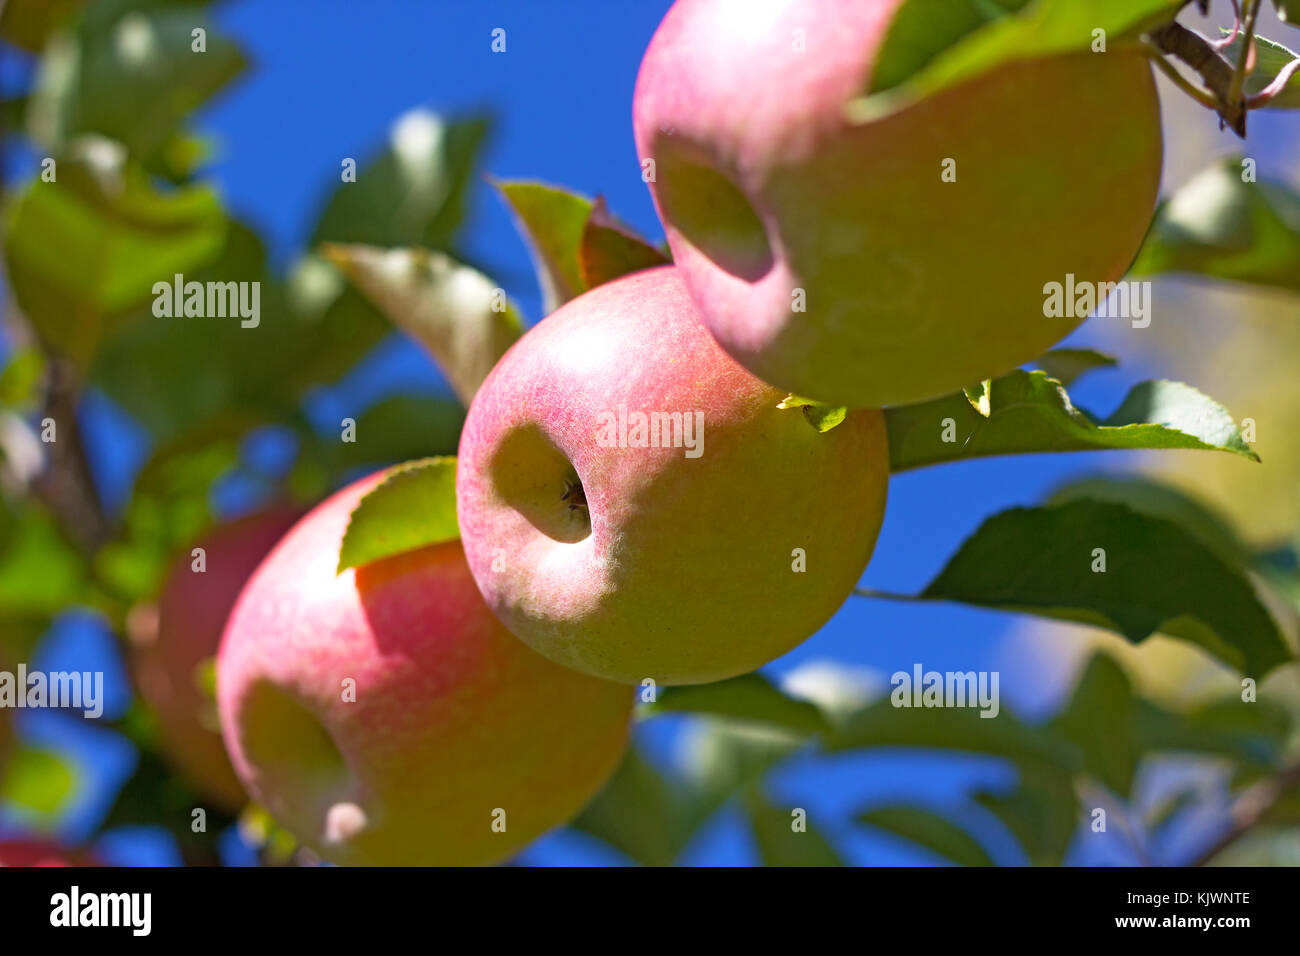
(328, 81)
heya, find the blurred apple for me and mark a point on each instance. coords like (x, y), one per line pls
(892, 260)
(174, 644)
(6, 739)
(385, 717)
(37, 852)
(716, 538)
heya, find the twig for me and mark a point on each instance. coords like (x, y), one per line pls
(1216, 72)
(67, 484)
(1250, 809)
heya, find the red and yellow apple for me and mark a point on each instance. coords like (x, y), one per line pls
(871, 263)
(385, 717)
(635, 505)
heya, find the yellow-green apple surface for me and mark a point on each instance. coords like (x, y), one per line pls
(384, 716)
(882, 262)
(6, 727)
(6, 740)
(169, 655)
(635, 505)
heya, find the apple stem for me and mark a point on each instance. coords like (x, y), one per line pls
(574, 495)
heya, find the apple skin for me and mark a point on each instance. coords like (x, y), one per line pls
(681, 569)
(915, 287)
(6, 740)
(192, 613)
(453, 717)
(41, 853)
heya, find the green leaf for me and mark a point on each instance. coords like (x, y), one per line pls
(609, 249)
(1029, 412)
(727, 755)
(21, 379)
(882, 724)
(920, 31)
(750, 697)
(1288, 11)
(930, 830)
(209, 371)
(575, 242)
(413, 193)
(980, 397)
(1150, 497)
(1270, 59)
(41, 574)
(170, 508)
(821, 417)
(1100, 720)
(28, 23)
(1158, 577)
(1115, 729)
(130, 75)
(155, 795)
(1170, 807)
(1252, 735)
(38, 782)
(413, 507)
(940, 48)
(644, 814)
(652, 815)
(456, 313)
(84, 251)
(396, 429)
(1219, 226)
(1065, 365)
(1042, 812)
(779, 844)
(552, 220)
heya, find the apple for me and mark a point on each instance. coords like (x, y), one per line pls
(6, 740)
(8, 733)
(729, 538)
(834, 259)
(169, 651)
(35, 852)
(385, 717)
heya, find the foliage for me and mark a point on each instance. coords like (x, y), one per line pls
(115, 90)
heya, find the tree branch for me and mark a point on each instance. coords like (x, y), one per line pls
(1217, 73)
(67, 485)
(1251, 808)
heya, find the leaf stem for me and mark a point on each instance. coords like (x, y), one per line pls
(1196, 93)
